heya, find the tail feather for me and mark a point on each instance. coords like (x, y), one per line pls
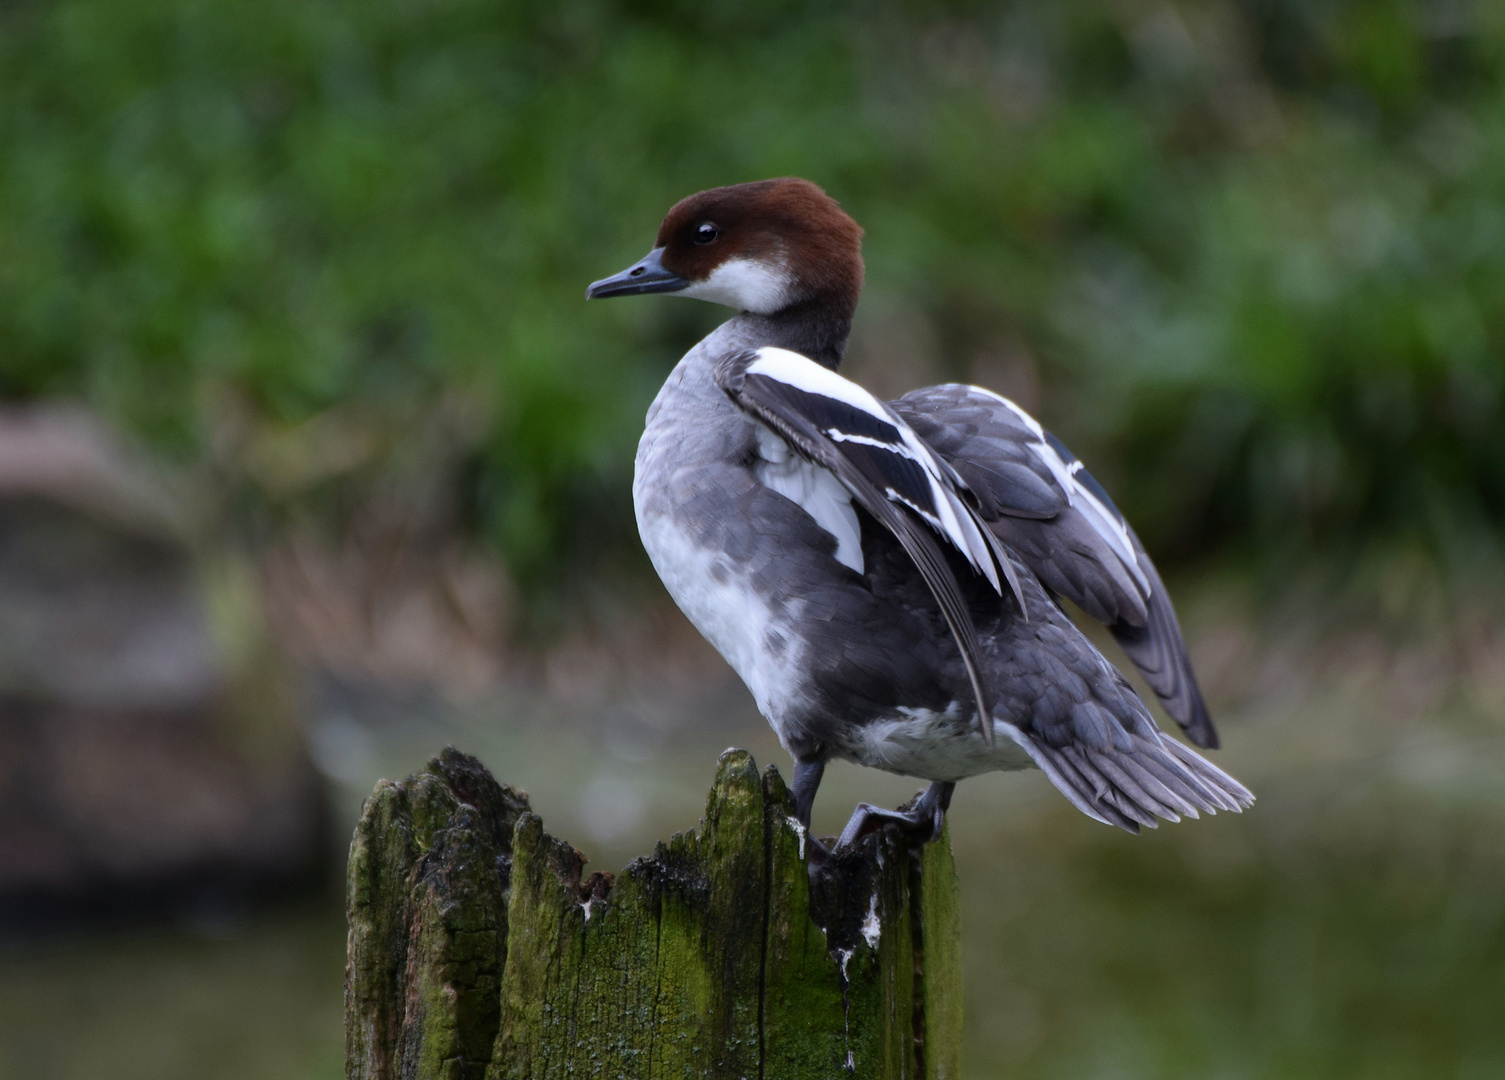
(1130, 789)
(1068, 782)
(1239, 797)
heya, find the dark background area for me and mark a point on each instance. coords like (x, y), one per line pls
(312, 459)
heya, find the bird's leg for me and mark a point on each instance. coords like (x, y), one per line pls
(807, 774)
(922, 821)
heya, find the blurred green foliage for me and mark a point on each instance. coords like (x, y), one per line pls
(1254, 252)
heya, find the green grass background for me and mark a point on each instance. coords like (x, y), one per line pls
(1249, 257)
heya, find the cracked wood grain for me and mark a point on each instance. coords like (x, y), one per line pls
(479, 949)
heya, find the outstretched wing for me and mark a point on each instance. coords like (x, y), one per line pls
(1048, 508)
(840, 428)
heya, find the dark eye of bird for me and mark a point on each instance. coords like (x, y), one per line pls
(705, 232)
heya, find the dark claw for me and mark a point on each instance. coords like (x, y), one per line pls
(820, 854)
(921, 819)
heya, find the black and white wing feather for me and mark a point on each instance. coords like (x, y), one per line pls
(838, 426)
(1048, 508)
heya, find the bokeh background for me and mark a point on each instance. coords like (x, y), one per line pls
(313, 460)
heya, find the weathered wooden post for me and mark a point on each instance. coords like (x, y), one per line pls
(479, 951)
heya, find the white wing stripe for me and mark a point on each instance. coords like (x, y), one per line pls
(900, 497)
(1025, 418)
(967, 537)
(1104, 522)
(897, 449)
(805, 374)
(1112, 529)
(951, 517)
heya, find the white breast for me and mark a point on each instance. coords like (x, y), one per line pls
(715, 595)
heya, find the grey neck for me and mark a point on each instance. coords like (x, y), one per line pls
(817, 329)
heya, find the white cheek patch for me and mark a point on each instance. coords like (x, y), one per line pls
(745, 284)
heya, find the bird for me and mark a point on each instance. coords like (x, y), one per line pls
(887, 578)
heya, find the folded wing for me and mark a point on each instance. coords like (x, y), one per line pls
(840, 428)
(1040, 500)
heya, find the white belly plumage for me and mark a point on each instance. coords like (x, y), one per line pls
(907, 743)
(713, 593)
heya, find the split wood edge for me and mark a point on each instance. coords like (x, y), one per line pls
(480, 950)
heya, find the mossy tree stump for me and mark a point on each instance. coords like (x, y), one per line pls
(478, 950)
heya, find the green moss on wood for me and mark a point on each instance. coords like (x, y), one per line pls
(941, 968)
(479, 948)
(427, 908)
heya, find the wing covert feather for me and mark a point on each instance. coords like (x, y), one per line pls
(837, 426)
(1045, 506)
